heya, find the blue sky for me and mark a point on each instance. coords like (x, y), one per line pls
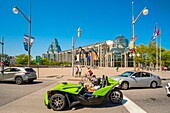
(100, 20)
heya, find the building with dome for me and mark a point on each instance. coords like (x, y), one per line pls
(53, 50)
(104, 54)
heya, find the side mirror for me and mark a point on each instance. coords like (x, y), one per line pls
(132, 76)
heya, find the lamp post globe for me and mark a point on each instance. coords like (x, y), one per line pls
(145, 11)
(15, 10)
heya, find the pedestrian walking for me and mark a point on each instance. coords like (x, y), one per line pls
(80, 70)
(165, 68)
(138, 69)
(89, 73)
(77, 70)
(117, 68)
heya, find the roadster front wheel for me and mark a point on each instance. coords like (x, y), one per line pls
(57, 102)
(116, 97)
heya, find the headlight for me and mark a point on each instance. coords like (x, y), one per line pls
(117, 85)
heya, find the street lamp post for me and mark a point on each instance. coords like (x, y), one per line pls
(2, 54)
(73, 43)
(145, 12)
(16, 10)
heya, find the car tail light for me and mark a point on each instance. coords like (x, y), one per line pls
(27, 73)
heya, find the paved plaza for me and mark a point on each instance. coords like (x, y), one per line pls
(65, 73)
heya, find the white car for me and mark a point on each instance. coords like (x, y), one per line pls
(167, 87)
(130, 79)
(18, 74)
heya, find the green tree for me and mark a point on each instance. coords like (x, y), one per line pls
(21, 59)
(44, 61)
(165, 58)
(141, 49)
(33, 62)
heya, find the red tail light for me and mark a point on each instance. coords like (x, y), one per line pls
(27, 73)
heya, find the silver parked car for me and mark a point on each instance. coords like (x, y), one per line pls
(137, 79)
(18, 74)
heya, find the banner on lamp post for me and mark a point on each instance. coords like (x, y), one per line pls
(26, 37)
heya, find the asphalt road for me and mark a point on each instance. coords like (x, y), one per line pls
(28, 98)
(150, 100)
(9, 91)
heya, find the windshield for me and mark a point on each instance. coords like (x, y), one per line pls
(29, 70)
(126, 74)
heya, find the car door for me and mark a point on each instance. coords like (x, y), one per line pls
(1, 75)
(136, 80)
(9, 74)
(5, 73)
(146, 79)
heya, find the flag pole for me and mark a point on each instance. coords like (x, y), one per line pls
(156, 48)
(160, 52)
(156, 53)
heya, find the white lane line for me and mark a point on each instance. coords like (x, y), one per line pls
(131, 106)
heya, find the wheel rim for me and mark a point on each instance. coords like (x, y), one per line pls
(125, 85)
(57, 102)
(154, 84)
(116, 97)
(18, 80)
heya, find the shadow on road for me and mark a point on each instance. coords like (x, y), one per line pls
(12, 82)
(139, 88)
(7, 82)
(32, 83)
(106, 104)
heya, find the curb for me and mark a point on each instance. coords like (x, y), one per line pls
(165, 78)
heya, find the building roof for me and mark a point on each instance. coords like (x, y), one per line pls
(54, 47)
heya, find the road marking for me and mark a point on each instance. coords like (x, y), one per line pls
(131, 106)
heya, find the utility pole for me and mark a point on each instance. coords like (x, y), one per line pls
(2, 54)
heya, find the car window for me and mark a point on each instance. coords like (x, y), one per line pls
(29, 70)
(14, 69)
(144, 74)
(7, 70)
(126, 74)
(137, 74)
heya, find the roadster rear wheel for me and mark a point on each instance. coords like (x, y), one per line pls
(57, 102)
(116, 97)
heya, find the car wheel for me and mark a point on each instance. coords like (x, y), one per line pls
(125, 85)
(18, 80)
(116, 97)
(153, 84)
(57, 102)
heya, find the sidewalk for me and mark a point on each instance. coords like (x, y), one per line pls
(64, 74)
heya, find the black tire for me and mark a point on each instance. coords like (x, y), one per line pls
(125, 85)
(154, 84)
(18, 80)
(116, 96)
(57, 102)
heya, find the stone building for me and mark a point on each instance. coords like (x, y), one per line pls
(104, 54)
